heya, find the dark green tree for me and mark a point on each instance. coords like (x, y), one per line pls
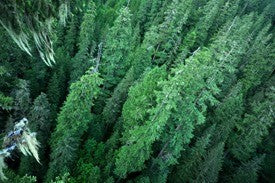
(40, 122)
(72, 122)
(116, 50)
(83, 59)
(248, 172)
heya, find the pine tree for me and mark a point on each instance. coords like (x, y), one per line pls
(72, 122)
(188, 166)
(140, 61)
(22, 100)
(187, 91)
(182, 103)
(164, 39)
(141, 98)
(253, 127)
(40, 123)
(212, 164)
(248, 172)
(58, 83)
(70, 40)
(198, 35)
(117, 48)
(258, 63)
(83, 59)
(13, 177)
(228, 114)
(113, 106)
(6, 103)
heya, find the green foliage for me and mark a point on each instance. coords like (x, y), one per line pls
(40, 122)
(165, 38)
(13, 177)
(117, 47)
(140, 98)
(197, 36)
(22, 99)
(186, 95)
(82, 60)
(249, 134)
(212, 164)
(58, 83)
(72, 122)
(88, 173)
(26, 19)
(248, 172)
(63, 179)
(188, 167)
(228, 114)
(71, 36)
(6, 102)
(114, 104)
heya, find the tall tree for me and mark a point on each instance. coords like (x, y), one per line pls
(183, 101)
(72, 122)
(83, 59)
(248, 172)
(39, 122)
(253, 128)
(115, 62)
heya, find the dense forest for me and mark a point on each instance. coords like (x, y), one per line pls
(137, 91)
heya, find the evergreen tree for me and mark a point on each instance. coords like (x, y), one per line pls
(185, 109)
(228, 114)
(141, 98)
(5, 102)
(165, 38)
(22, 100)
(82, 60)
(198, 35)
(188, 166)
(70, 39)
(117, 48)
(58, 83)
(12, 177)
(72, 122)
(212, 164)
(40, 122)
(248, 172)
(187, 91)
(253, 127)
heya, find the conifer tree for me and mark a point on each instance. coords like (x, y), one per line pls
(22, 100)
(5, 102)
(182, 103)
(114, 104)
(71, 37)
(141, 98)
(188, 166)
(140, 61)
(115, 62)
(187, 91)
(40, 123)
(248, 172)
(83, 59)
(253, 127)
(58, 83)
(212, 164)
(198, 35)
(258, 64)
(13, 177)
(72, 122)
(228, 114)
(165, 38)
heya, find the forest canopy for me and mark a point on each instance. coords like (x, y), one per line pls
(137, 91)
